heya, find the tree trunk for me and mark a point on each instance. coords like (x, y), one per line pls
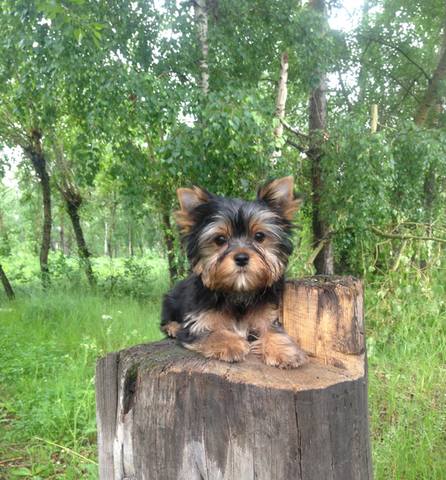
(166, 413)
(169, 241)
(107, 249)
(5, 247)
(130, 240)
(6, 284)
(281, 103)
(62, 235)
(317, 123)
(38, 160)
(431, 95)
(430, 100)
(73, 202)
(201, 18)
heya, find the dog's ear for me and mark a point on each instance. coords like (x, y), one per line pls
(189, 199)
(279, 194)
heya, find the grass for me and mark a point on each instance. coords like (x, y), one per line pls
(407, 376)
(50, 341)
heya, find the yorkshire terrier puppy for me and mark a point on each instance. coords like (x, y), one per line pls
(238, 251)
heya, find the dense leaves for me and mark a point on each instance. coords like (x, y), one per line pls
(113, 88)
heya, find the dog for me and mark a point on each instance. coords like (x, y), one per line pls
(238, 252)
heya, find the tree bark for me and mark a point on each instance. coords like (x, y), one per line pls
(429, 101)
(131, 249)
(317, 123)
(166, 413)
(107, 249)
(38, 160)
(73, 201)
(282, 92)
(62, 236)
(169, 241)
(201, 16)
(431, 95)
(5, 247)
(6, 284)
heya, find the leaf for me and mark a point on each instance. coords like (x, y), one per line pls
(21, 472)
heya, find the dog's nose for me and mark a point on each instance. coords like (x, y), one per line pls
(241, 259)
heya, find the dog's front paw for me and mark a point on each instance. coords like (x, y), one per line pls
(171, 329)
(223, 345)
(232, 350)
(279, 350)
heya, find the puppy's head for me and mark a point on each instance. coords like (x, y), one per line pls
(237, 245)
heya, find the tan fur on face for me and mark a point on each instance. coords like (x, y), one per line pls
(279, 350)
(225, 275)
(171, 329)
(210, 252)
(222, 345)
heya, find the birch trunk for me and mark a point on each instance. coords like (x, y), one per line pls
(282, 92)
(201, 17)
(106, 244)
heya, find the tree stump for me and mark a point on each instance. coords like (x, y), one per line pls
(165, 413)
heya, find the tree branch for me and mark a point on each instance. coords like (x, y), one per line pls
(296, 146)
(397, 236)
(295, 130)
(400, 50)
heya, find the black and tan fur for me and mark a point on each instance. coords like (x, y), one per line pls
(238, 251)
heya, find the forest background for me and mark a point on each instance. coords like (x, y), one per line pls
(106, 107)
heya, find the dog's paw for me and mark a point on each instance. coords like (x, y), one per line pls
(171, 329)
(279, 350)
(222, 345)
(229, 350)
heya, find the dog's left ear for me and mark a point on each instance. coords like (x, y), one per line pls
(189, 199)
(279, 194)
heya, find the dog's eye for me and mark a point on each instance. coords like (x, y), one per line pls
(220, 240)
(259, 237)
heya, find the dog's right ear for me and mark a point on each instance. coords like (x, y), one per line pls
(189, 199)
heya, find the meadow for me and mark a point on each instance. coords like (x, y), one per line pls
(50, 341)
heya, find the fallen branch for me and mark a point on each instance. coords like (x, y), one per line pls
(406, 237)
(10, 460)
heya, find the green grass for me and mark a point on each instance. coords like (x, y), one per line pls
(49, 343)
(48, 348)
(407, 377)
